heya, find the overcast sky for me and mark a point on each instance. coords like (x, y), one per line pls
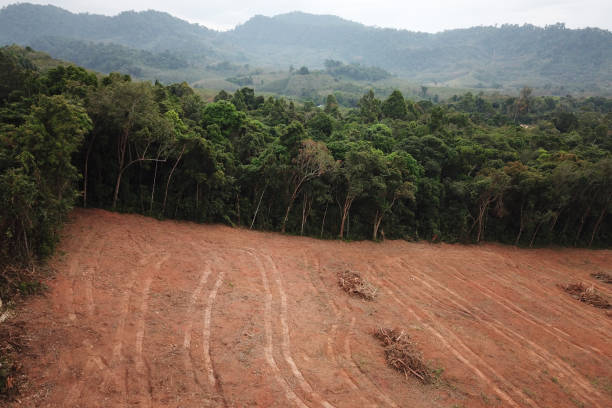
(422, 15)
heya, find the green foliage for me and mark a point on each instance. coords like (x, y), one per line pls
(357, 72)
(37, 177)
(528, 170)
(394, 106)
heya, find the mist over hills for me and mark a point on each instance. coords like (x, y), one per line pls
(147, 43)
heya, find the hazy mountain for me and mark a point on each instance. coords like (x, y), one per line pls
(509, 55)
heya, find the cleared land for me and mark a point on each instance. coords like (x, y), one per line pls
(149, 313)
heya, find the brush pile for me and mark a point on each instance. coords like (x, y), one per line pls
(402, 354)
(586, 294)
(602, 276)
(353, 284)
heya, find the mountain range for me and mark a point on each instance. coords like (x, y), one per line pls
(153, 44)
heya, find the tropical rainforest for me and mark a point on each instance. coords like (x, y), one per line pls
(524, 170)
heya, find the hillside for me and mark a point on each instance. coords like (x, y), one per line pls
(157, 314)
(509, 56)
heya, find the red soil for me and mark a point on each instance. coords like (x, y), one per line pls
(149, 313)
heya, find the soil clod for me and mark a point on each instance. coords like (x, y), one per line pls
(403, 355)
(353, 284)
(586, 294)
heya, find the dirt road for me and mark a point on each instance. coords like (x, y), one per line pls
(167, 314)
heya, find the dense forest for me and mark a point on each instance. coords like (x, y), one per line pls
(524, 170)
(555, 59)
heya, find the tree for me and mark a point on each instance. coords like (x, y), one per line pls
(369, 108)
(37, 176)
(331, 106)
(313, 160)
(395, 182)
(130, 112)
(489, 188)
(394, 106)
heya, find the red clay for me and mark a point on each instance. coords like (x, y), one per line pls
(167, 314)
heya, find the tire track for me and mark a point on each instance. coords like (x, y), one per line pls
(523, 314)
(455, 340)
(268, 349)
(536, 351)
(590, 319)
(117, 354)
(144, 377)
(357, 379)
(562, 308)
(77, 388)
(285, 344)
(74, 275)
(206, 333)
(188, 358)
(330, 349)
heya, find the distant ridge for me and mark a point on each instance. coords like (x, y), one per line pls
(509, 55)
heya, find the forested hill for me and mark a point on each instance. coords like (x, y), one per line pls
(148, 30)
(489, 57)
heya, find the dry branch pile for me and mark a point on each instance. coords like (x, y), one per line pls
(586, 294)
(402, 354)
(602, 276)
(353, 284)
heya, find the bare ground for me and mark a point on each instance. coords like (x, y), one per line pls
(167, 314)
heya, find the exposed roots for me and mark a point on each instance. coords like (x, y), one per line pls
(602, 276)
(355, 285)
(402, 354)
(586, 294)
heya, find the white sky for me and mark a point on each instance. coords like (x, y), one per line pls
(422, 15)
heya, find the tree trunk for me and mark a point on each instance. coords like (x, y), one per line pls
(117, 189)
(323, 222)
(170, 177)
(238, 207)
(582, 220)
(153, 188)
(598, 223)
(85, 170)
(306, 205)
(522, 226)
(121, 153)
(291, 200)
(345, 210)
(535, 233)
(377, 220)
(481, 213)
(258, 204)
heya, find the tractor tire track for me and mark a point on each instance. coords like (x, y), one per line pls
(562, 369)
(471, 355)
(144, 377)
(332, 354)
(268, 348)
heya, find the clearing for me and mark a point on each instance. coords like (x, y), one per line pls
(167, 314)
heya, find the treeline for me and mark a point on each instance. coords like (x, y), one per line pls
(109, 57)
(391, 168)
(358, 72)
